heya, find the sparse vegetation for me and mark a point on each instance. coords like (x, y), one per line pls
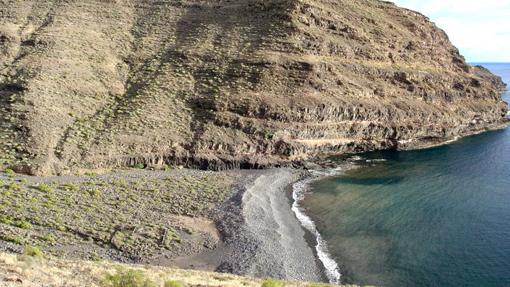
(10, 173)
(223, 104)
(69, 187)
(44, 187)
(105, 274)
(139, 166)
(127, 278)
(12, 239)
(23, 224)
(50, 238)
(174, 283)
(33, 251)
(6, 219)
(273, 283)
(94, 192)
(13, 186)
(88, 210)
(107, 83)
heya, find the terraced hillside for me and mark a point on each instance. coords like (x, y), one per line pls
(227, 83)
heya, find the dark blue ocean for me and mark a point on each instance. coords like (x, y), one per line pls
(435, 217)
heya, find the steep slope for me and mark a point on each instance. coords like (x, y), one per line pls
(227, 83)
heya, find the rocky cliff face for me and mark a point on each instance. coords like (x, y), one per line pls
(227, 83)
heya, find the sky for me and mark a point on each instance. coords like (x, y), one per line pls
(479, 28)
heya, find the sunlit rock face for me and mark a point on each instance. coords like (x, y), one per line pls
(225, 84)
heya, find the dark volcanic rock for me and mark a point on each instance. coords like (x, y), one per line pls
(221, 84)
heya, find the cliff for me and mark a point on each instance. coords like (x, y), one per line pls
(227, 83)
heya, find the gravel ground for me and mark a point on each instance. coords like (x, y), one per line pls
(283, 251)
(238, 221)
(135, 216)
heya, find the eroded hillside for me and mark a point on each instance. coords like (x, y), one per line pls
(227, 83)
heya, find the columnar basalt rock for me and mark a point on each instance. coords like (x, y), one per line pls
(228, 83)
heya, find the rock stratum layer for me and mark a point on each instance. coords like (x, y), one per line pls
(227, 83)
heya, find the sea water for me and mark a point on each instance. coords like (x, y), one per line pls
(434, 217)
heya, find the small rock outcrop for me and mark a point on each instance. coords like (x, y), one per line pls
(228, 83)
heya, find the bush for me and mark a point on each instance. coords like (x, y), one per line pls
(127, 278)
(14, 187)
(10, 173)
(23, 224)
(173, 283)
(94, 192)
(69, 187)
(273, 283)
(6, 219)
(15, 240)
(44, 188)
(33, 251)
(139, 166)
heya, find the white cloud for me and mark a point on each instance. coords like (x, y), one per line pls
(480, 29)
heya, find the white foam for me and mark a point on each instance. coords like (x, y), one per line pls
(376, 160)
(298, 194)
(355, 158)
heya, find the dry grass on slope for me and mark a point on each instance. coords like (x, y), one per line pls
(17, 270)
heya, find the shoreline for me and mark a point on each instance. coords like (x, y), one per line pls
(330, 266)
(260, 234)
(258, 230)
(283, 251)
(273, 235)
(247, 251)
(252, 232)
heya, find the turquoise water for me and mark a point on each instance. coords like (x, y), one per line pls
(436, 217)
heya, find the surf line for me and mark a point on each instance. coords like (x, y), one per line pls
(331, 267)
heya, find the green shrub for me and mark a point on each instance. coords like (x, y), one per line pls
(139, 166)
(61, 227)
(14, 187)
(33, 251)
(173, 283)
(6, 219)
(126, 278)
(318, 285)
(44, 188)
(15, 240)
(10, 173)
(23, 224)
(94, 192)
(69, 187)
(50, 238)
(273, 283)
